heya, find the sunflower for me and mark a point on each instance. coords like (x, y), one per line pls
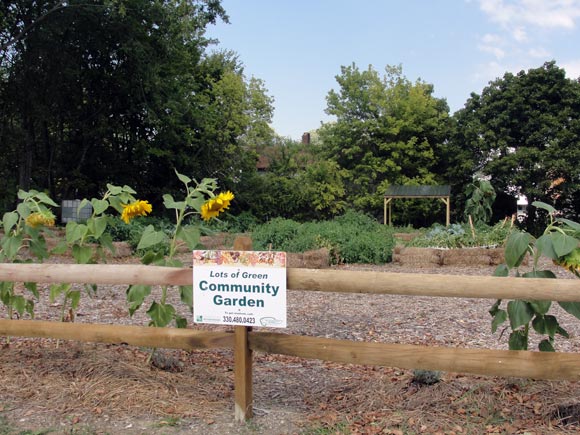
(44, 218)
(570, 262)
(226, 197)
(214, 206)
(138, 208)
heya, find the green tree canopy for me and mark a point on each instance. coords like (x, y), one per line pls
(122, 91)
(388, 130)
(524, 132)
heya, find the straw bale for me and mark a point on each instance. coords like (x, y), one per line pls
(475, 252)
(418, 256)
(466, 260)
(497, 257)
(315, 259)
(398, 249)
(416, 260)
(421, 251)
(215, 241)
(466, 253)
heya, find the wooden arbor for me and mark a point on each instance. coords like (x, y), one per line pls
(441, 192)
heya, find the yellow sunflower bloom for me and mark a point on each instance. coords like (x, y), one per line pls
(226, 197)
(37, 219)
(214, 206)
(138, 208)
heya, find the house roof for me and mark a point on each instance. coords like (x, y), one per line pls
(417, 191)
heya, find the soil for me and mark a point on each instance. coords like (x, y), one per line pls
(64, 387)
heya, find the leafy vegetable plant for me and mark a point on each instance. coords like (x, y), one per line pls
(560, 242)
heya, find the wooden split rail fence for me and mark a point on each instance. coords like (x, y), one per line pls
(535, 365)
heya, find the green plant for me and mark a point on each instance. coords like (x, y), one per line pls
(350, 238)
(462, 236)
(88, 240)
(480, 197)
(194, 203)
(560, 242)
(242, 223)
(24, 228)
(276, 233)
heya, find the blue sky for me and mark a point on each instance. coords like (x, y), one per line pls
(298, 46)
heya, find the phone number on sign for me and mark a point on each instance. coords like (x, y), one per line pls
(238, 320)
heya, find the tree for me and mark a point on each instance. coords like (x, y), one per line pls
(297, 184)
(388, 130)
(113, 90)
(524, 132)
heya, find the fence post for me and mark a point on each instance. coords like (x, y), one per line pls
(242, 357)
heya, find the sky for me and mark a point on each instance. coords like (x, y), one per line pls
(297, 47)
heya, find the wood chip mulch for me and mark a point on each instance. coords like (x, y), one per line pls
(112, 389)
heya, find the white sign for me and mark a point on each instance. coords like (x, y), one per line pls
(239, 288)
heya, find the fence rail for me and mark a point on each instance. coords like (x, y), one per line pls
(325, 280)
(535, 365)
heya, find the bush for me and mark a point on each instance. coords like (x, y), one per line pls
(122, 232)
(350, 238)
(131, 233)
(276, 234)
(242, 223)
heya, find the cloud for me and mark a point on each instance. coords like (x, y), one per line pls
(490, 71)
(572, 68)
(524, 27)
(491, 43)
(496, 51)
(490, 38)
(540, 13)
(539, 53)
(520, 34)
(497, 10)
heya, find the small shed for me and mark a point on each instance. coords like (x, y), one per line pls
(414, 192)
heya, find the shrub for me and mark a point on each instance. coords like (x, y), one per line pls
(131, 233)
(351, 238)
(244, 222)
(276, 234)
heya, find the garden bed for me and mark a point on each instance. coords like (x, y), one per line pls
(434, 257)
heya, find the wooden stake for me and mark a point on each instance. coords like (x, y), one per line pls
(471, 226)
(242, 358)
(242, 374)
